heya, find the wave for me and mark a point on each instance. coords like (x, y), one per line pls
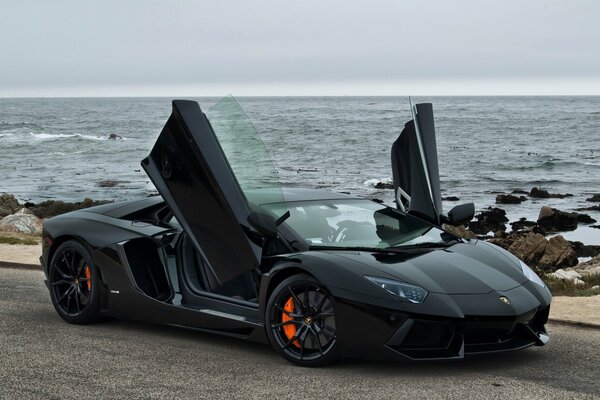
(374, 182)
(54, 136)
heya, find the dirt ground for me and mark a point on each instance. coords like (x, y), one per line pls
(20, 253)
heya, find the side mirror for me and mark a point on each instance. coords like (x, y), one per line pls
(263, 222)
(461, 214)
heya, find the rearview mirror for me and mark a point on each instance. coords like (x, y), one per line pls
(461, 214)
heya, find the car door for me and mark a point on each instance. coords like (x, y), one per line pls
(415, 166)
(192, 173)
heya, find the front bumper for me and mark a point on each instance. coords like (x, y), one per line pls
(445, 326)
(423, 339)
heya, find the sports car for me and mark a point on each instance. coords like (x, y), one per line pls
(319, 275)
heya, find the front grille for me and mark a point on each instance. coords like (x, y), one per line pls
(428, 334)
(427, 339)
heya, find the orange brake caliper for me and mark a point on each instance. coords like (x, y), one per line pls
(289, 329)
(88, 276)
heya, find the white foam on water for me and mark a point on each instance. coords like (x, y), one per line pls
(54, 136)
(375, 181)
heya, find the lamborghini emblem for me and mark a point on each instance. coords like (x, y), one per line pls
(505, 299)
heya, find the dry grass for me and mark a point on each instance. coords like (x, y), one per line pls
(560, 287)
(14, 238)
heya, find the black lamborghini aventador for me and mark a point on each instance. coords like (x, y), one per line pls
(319, 275)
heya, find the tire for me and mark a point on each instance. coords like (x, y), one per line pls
(302, 333)
(74, 284)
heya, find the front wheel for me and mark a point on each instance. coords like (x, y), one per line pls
(300, 321)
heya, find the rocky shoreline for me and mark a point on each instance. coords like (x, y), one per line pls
(538, 243)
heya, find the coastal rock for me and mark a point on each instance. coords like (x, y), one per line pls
(535, 250)
(567, 275)
(594, 198)
(558, 253)
(544, 194)
(529, 247)
(50, 208)
(553, 220)
(22, 221)
(383, 185)
(591, 208)
(450, 198)
(493, 219)
(585, 219)
(108, 183)
(585, 250)
(460, 231)
(509, 199)
(522, 224)
(8, 204)
(589, 267)
(114, 136)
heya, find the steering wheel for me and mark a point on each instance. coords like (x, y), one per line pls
(339, 234)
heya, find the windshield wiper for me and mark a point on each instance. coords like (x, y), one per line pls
(392, 249)
(359, 248)
(426, 244)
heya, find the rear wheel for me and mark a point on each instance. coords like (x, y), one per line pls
(300, 321)
(73, 284)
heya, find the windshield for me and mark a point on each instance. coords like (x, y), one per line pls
(356, 223)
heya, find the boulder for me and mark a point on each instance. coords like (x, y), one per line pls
(450, 198)
(493, 219)
(584, 219)
(590, 208)
(522, 224)
(544, 194)
(8, 204)
(585, 250)
(589, 267)
(460, 231)
(509, 199)
(383, 185)
(594, 198)
(108, 183)
(535, 250)
(553, 220)
(22, 221)
(50, 208)
(567, 275)
(529, 248)
(558, 253)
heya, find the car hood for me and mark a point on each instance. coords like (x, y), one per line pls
(465, 268)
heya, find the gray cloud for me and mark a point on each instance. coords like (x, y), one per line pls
(62, 45)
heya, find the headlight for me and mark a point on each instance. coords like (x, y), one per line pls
(412, 293)
(532, 276)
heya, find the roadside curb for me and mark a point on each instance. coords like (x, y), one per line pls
(14, 265)
(590, 325)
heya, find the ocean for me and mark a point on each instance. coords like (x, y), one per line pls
(58, 148)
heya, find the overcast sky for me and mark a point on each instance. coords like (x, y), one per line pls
(278, 47)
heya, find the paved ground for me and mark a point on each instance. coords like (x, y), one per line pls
(43, 357)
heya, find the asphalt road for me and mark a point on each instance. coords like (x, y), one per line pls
(43, 357)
